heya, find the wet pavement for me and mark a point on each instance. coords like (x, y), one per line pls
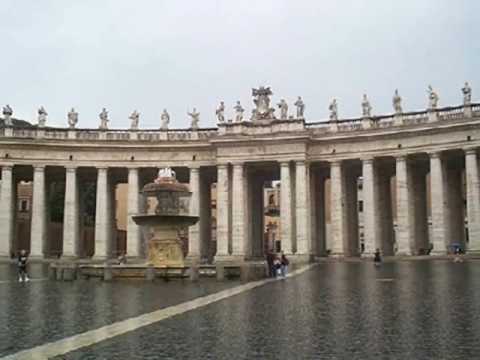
(42, 311)
(419, 310)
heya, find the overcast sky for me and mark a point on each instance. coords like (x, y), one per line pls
(150, 55)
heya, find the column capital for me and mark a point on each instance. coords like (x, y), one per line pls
(284, 163)
(39, 167)
(102, 168)
(7, 167)
(401, 157)
(470, 151)
(194, 168)
(222, 166)
(301, 162)
(434, 154)
(367, 159)
(336, 163)
(238, 165)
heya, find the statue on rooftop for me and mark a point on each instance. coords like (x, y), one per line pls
(220, 112)
(333, 107)
(397, 102)
(7, 115)
(103, 119)
(300, 107)
(135, 117)
(238, 112)
(42, 116)
(467, 94)
(283, 106)
(165, 120)
(366, 107)
(261, 99)
(195, 118)
(72, 117)
(432, 97)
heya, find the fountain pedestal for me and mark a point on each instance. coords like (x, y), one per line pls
(163, 246)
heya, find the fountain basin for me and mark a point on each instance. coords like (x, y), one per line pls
(164, 248)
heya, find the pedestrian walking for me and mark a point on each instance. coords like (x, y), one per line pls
(22, 266)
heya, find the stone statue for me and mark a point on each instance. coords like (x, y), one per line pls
(195, 118)
(103, 119)
(433, 98)
(262, 104)
(238, 112)
(283, 106)
(7, 115)
(220, 112)
(300, 107)
(135, 117)
(397, 102)
(467, 94)
(366, 107)
(165, 118)
(333, 107)
(42, 116)
(72, 118)
(166, 173)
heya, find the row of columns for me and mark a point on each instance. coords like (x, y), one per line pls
(104, 219)
(301, 209)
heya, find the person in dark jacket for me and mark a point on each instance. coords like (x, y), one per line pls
(270, 258)
(22, 266)
(377, 259)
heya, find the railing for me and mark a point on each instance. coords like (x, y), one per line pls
(413, 118)
(23, 130)
(52, 133)
(451, 113)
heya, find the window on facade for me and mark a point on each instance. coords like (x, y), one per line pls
(360, 206)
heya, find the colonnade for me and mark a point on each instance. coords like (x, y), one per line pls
(454, 177)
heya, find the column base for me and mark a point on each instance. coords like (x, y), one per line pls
(300, 258)
(232, 259)
(192, 260)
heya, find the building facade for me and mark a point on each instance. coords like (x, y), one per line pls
(423, 160)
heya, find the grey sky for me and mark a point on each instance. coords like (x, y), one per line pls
(150, 55)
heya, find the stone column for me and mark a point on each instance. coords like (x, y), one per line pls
(473, 199)
(71, 214)
(302, 209)
(194, 230)
(102, 215)
(405, 211)
(370, 207)
(223, 211)
(38, 227)
(239, 204)
(337, 208)
(439, 205)
(7, 197)
(133, 208)
(286, 208)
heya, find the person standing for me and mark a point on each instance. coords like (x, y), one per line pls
(270, 259)
(22, 266)
(284, 261)
(377, 259)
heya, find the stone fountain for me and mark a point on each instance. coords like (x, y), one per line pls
(161, 226)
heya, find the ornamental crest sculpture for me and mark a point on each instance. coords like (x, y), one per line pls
(261, 100)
